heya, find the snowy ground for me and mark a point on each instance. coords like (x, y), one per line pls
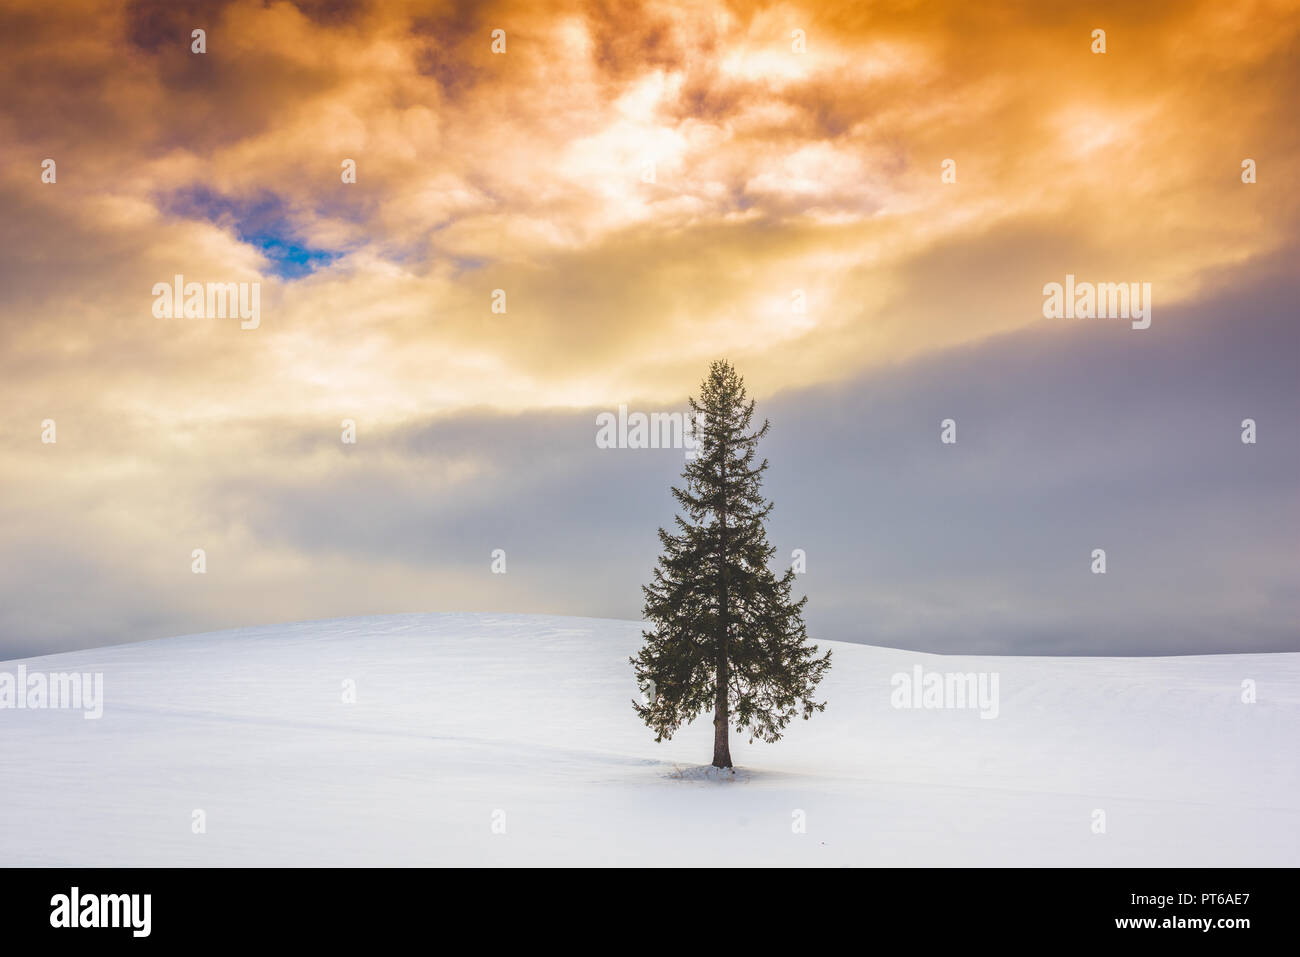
(463, 720)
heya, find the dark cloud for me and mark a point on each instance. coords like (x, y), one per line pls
(1101, 437)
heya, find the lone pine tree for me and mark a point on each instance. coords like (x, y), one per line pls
(726, 631)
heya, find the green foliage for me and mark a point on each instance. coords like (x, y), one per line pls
(719, 613)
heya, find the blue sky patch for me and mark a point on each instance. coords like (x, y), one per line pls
(262, 221)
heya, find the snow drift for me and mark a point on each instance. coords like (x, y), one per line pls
(478, 739)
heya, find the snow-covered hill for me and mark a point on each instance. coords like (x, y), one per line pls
(467, 725)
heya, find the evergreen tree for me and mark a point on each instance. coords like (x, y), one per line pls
(726, 632)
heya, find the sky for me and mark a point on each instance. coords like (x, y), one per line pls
(859, 205)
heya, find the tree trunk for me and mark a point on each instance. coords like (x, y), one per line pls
(721, 720)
